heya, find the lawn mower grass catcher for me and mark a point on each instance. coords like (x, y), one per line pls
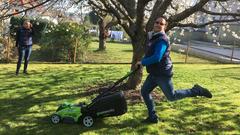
(109, 103)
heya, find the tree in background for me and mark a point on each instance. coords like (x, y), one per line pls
(104, 21)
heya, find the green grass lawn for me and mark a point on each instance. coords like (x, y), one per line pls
(122, 53)
(27, 101)
(115, 53)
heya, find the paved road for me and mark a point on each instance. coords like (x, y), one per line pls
(215, 50)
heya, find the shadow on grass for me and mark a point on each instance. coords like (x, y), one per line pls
(214, 123)
(127, 51)
(43, 126)
(228, 72)
(42, 91)
(39, 89)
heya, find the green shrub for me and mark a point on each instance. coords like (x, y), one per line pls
(66, 41)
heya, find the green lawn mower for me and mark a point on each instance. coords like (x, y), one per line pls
(107, 104)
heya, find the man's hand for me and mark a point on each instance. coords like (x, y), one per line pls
(139, 63)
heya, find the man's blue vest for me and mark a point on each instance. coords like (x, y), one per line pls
(164, 67)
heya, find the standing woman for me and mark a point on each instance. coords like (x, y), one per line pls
(159, 66)
(24, 45)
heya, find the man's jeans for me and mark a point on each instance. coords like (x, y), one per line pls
(165, 83)
(23, 51)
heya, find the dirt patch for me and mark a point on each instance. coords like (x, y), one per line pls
(132, 96)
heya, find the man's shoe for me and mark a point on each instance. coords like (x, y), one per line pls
(149, 120)
(200, 91)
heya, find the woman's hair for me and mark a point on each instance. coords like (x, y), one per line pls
(26, 21)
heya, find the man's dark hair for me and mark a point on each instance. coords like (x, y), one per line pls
(164, 17)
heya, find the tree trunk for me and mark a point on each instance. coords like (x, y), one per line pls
(101, 35)
(138, 51)
(75, 51)
(8, 49)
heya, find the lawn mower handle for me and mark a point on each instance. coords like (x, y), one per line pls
(126, 76)
(116, 83)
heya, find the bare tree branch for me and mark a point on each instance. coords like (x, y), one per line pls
(153, 14)
(227, 10)
(217, 13)
(175, 8)
(129, 6)
(121, 10)
(205, 24)
(186, 13)
(116, 13)
(9, 15)
(140, 14)
(100, 14)
(92, 3)
(49, 7)
(159, 9)
(6, 11)
(5, 6)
